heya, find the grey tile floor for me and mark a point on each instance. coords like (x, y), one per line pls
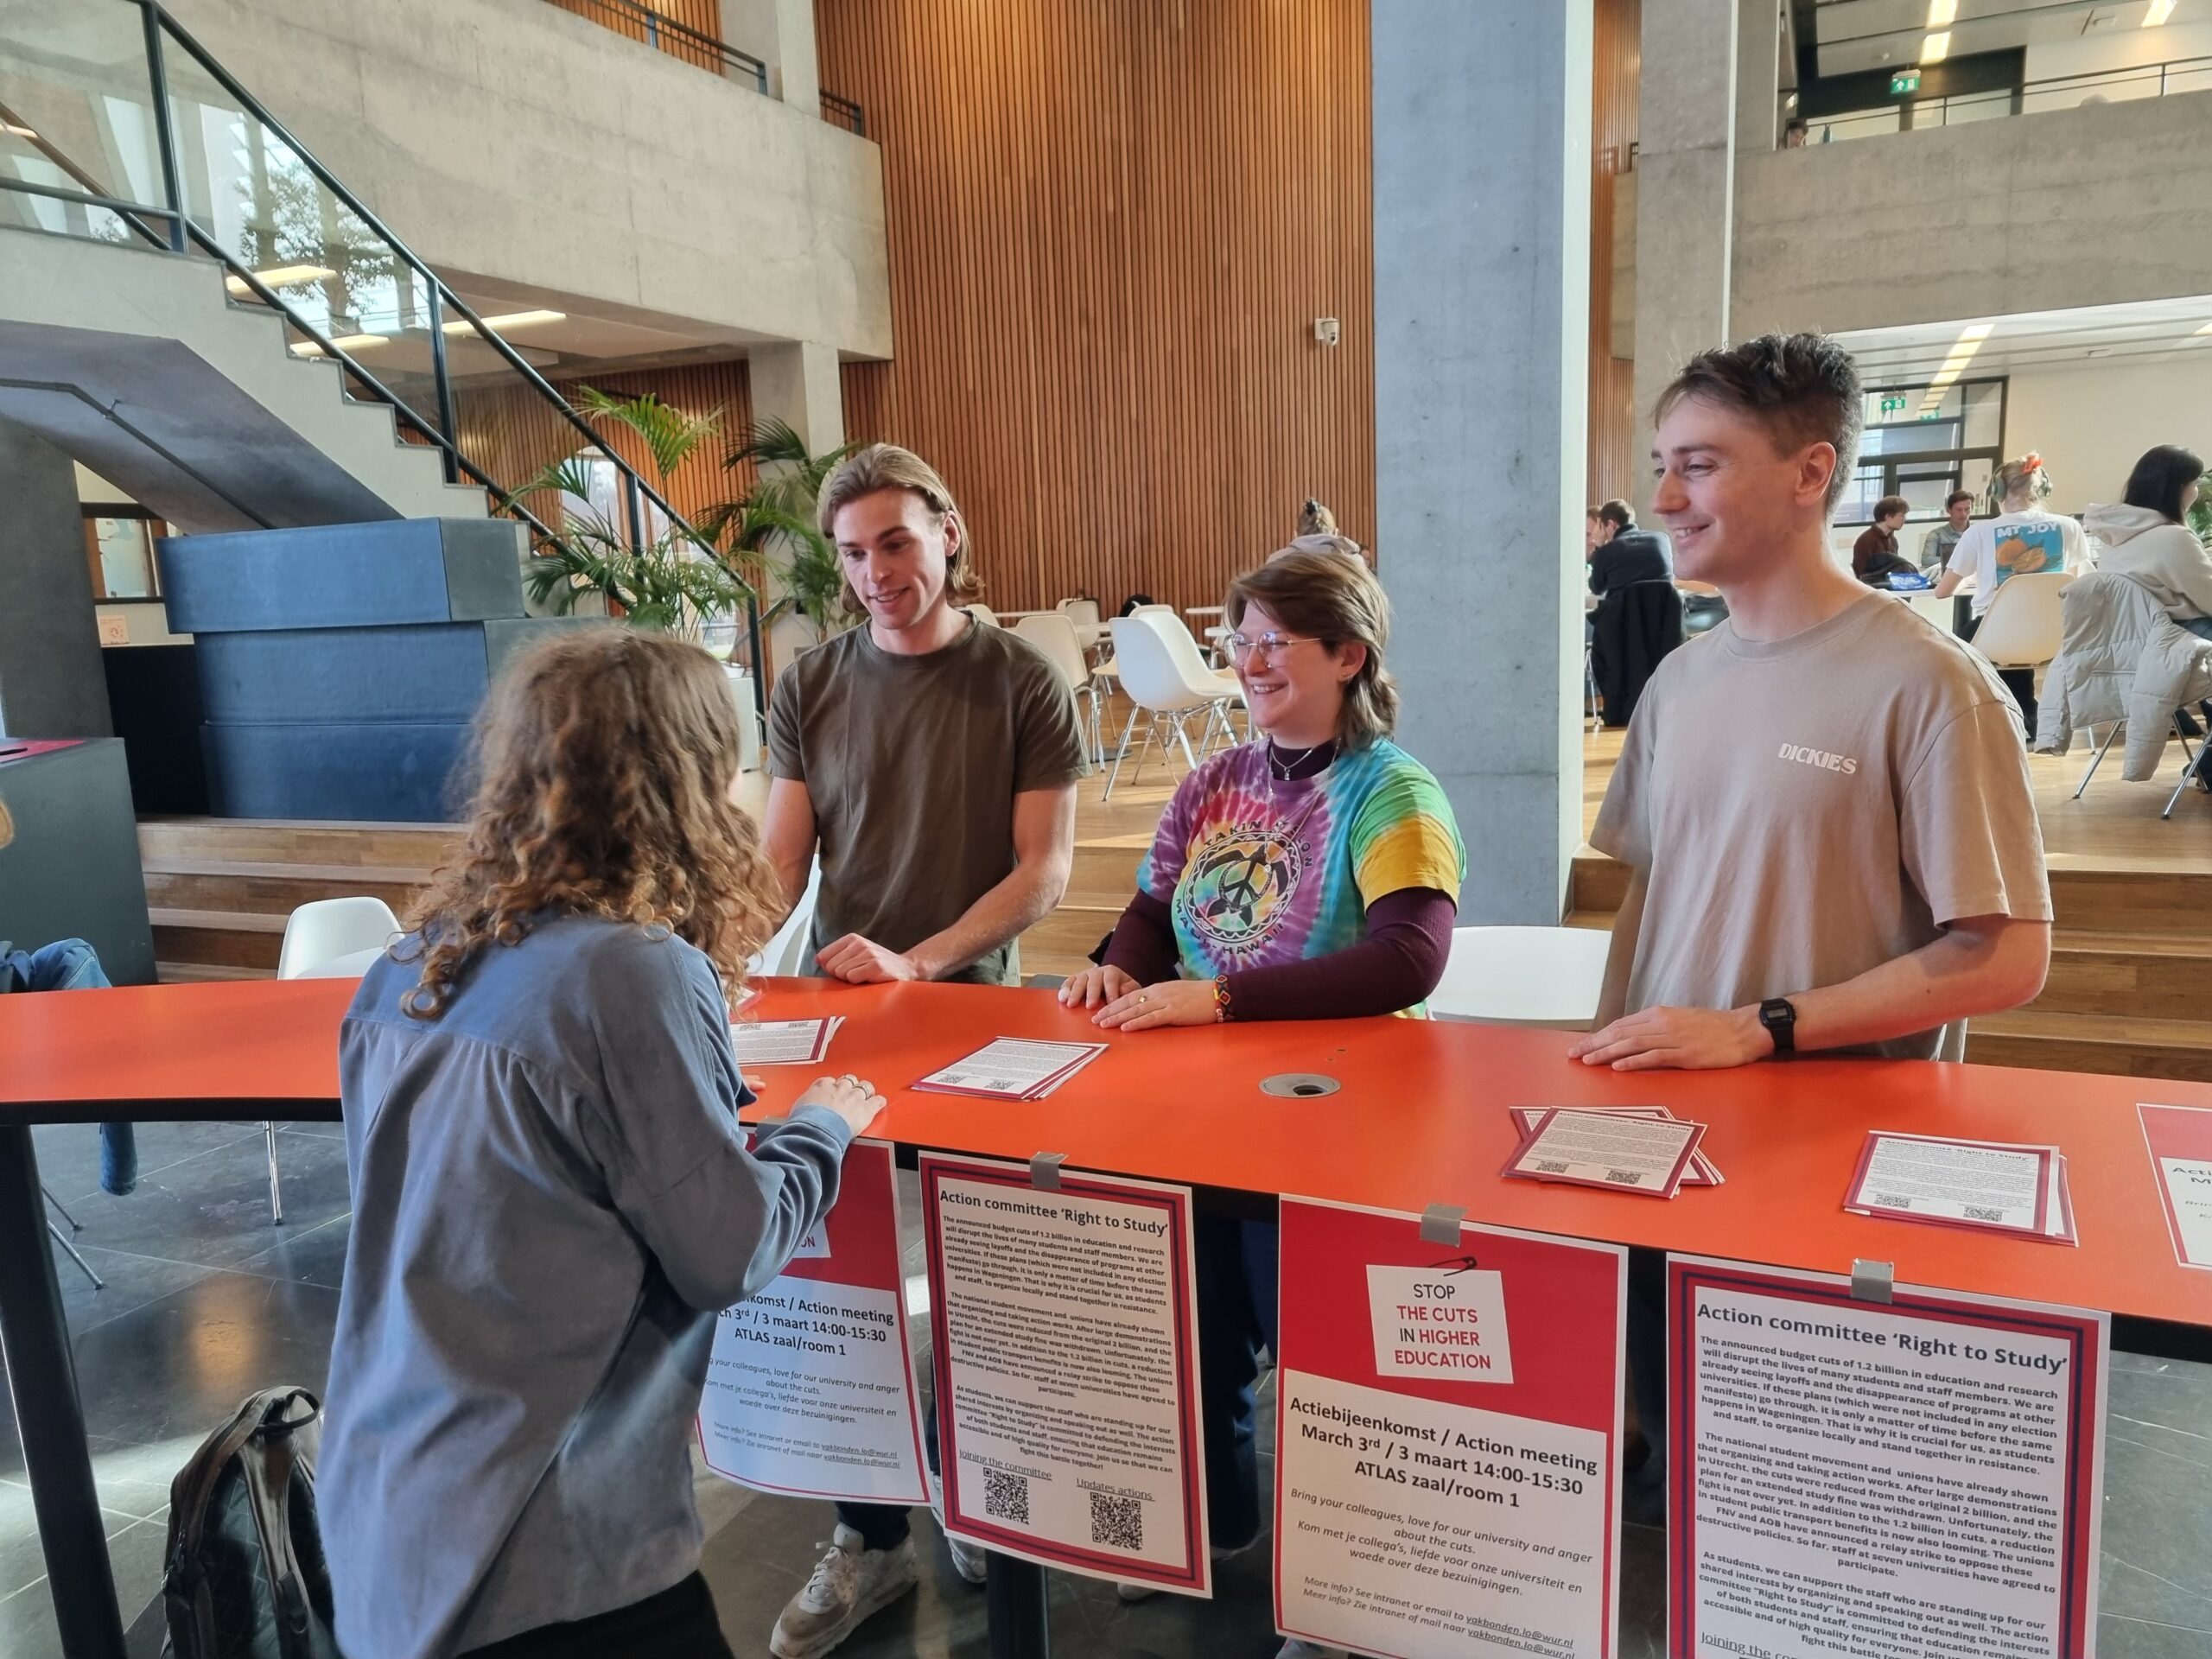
(207, 1301)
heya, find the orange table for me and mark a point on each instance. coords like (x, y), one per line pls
(1420, 1118)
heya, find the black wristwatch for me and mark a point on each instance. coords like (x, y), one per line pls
(1780, 1019)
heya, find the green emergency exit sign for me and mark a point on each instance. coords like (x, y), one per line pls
(1904, 83)
(1893, 404)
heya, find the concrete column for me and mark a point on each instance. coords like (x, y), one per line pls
(781, 33)
(1759, 77)
(797, 383)
(1482, 276)
(1684, 189)
(52, 683)
(799, 68)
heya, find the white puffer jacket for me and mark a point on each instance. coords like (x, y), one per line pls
(2164, 557)
(2120, 656)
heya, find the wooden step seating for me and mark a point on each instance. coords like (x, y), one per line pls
(219, 889)
(2130, 988)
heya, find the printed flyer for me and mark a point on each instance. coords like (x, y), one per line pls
(1889, 1479)
(1447, 1438)
(1067, 1374)
(811, 1391)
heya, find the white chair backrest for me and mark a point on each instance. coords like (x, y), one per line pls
(2025, 621)
(1150, 672)
(984, 613)
(786, 954)
(317, 932)
(1083, 613)
(1190, 662)
(1054, 635)
(1523, 976)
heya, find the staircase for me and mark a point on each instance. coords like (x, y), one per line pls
(139, 363)
(2130, 990)
(219, 889)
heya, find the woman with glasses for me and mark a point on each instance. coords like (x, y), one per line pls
(1311, 873)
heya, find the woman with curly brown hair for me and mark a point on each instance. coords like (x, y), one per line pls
(551, 1195)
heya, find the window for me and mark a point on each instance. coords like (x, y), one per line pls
(120, 547)
(1922, 442)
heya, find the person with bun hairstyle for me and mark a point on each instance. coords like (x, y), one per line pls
(552, 1198)
(2022, 539)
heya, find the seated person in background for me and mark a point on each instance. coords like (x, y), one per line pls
(933, 762)
(2021, 540)
(1312, 874)
(2147, 538)
(1620, 553)
(1823, 802)
(1935, 546)
(70, 965)
(552, 1198)
(1318, 532)
(1874, 556)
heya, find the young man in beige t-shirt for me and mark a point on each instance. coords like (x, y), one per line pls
(1824, 799)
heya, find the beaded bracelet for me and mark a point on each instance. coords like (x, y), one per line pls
(1221, 1010)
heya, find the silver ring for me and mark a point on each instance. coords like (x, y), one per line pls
(1141, 997)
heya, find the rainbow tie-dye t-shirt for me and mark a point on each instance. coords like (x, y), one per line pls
(1253, 881)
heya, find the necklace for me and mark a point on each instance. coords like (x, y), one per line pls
(1281, 769)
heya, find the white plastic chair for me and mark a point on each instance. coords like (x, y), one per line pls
(1550, 977)
(2024, 623)
(1054, 635)
(327, 939)
(1083, 613)
(786, 954)
(986, 615)
(316, 934)
(1162, 674)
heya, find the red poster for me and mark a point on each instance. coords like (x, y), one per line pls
(1891, 1479)
(1447, 1438)
(1067, 1370)
(810, 1390)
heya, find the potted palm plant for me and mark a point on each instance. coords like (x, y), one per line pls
(773, 525)
(670, 577)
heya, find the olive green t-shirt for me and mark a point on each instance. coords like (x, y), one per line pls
(1807, 809)
(912, 763)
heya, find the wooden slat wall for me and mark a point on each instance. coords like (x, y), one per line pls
(1619, 30)
(703, 15)
(511, 433)
(1112, 224)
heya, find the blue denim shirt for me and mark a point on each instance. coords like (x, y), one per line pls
(552, 1200)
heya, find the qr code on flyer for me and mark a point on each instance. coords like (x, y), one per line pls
(1116, 1522)
(1006, 1497)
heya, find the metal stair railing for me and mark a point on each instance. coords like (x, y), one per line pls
(172, 226)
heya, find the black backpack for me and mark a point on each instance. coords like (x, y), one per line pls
(245, 1577)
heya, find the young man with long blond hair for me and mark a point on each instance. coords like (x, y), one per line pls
(552, 1198)
(931, 759)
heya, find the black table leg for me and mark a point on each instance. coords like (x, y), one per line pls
(1013, 1599)
(42, 1381)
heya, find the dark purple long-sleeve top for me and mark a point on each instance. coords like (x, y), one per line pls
(1407, 939)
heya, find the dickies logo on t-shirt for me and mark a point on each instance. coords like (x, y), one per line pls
(1826, 761)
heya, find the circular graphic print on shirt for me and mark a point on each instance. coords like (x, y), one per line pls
(1241, 886)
